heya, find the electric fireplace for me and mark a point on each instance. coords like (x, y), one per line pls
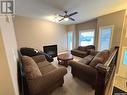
(51, 50)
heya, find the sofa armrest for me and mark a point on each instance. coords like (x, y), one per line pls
(40, 84)
(39, 58)
(47, 56)
(80, 67)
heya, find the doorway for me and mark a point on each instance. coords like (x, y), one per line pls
(70, 40)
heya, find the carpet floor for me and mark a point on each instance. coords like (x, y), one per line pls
(72, 86)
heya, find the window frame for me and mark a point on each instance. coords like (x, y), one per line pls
(87, 30)
(111, 37)
(72, 39)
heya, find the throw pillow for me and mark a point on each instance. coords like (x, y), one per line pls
(86, 60)
(101, 57)
(95, 61)
(104, 54)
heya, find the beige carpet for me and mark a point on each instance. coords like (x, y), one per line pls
(72, 86)
(121, 83)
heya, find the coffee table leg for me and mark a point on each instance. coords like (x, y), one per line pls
(58, 60)
(66, 63)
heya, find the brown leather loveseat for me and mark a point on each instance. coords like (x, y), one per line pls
(83, 51)
(85, 68)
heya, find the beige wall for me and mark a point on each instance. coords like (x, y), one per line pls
(28, 28)
(8, 58)
(92, 24)
(115, 19)
(38, 33)
(123, 68)
(70, 28)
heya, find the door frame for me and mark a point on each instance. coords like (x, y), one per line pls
(111, 38)
(121, 65)
(122, 56)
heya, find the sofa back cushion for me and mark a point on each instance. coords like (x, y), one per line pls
(86, 60)
(39, 58)
(82, 48)
(86, 48)
(30, 68)
(90, 47)
(28, 51)
(101, 57)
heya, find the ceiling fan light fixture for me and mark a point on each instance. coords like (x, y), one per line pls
(66, 19)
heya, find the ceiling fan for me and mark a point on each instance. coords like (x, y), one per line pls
(67, 16)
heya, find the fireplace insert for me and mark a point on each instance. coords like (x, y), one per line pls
(51, 50)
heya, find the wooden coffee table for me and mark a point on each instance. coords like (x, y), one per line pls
(64, 58)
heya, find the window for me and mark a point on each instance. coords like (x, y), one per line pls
(70, 40)
(105, 35)
(86, 37)
(125, 57)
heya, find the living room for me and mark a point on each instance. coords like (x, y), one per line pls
(76, 33)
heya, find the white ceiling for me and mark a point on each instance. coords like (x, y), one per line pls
(87, 9)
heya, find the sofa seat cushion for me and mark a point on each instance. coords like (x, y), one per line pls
(101, 57)
(86, 60)
(46, 67)
(30, 68)
(82, 48)
(43, 64)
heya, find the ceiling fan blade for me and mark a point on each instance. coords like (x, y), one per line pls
(65, 12)
(61, 15)
(61, 19)
(73, 13)
(72, 19)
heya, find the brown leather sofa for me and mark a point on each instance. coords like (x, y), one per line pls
(83, 51)
(41, 76)
(85, 68)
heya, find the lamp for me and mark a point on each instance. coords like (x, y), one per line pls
(66, 19)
